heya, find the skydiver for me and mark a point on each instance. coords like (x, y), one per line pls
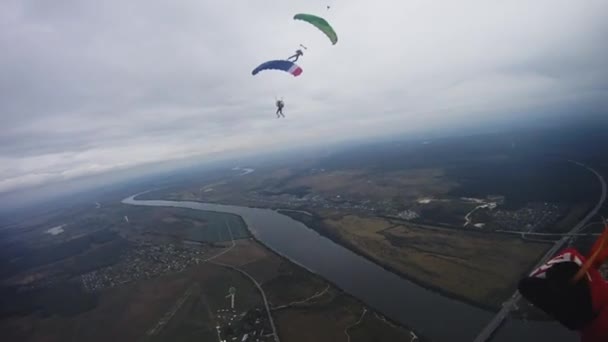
(571, 289)
(280, 104)
(296, 56)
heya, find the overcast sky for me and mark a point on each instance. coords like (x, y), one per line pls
(88, 86)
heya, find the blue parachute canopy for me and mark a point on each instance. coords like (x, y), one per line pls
(282, 65)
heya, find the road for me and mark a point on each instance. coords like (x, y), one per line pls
(259, 287)
(174, 309)
(225, 250)
(354, 325)
(316, 295)
(294, 211)
(497, 321)
(274, 329)
(524, 234)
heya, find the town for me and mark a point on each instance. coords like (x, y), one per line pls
(533, 217)
(143, 261)
(249, 325)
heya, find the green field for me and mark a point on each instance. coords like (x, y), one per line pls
(482, 268)
(185, 224)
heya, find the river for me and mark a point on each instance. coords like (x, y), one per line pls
(429, 313)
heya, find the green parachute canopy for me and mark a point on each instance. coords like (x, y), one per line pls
(319, 23)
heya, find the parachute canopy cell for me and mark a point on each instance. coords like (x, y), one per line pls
(319, 23)
(282, 65)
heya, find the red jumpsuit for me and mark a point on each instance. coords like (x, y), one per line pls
(593, 325)
(597, 330)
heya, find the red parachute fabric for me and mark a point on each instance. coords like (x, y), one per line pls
(597, 330)
(570, 288)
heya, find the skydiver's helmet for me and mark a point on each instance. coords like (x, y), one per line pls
(549, 288)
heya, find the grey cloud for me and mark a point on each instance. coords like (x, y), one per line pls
(93, 86)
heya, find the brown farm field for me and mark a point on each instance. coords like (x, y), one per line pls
(288, 287)
(122, 314)
(482, 268)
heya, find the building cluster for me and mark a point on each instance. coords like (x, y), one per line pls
(408, 215)
(144, 261)
(338, 202)
(252, 325)
(534, 217)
